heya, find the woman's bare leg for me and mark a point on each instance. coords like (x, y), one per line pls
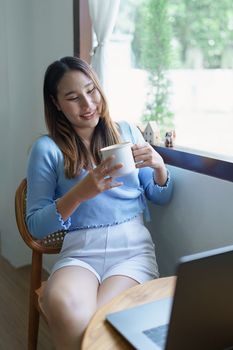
(69, 301)
(113, 286)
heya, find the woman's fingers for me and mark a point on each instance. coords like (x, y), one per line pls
(101, 178)
(106, 168)
(141, 153)
(145, 155)
(111, 183)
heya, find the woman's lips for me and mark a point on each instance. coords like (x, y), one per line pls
(88, 116)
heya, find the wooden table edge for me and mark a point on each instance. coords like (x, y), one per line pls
(100, 332)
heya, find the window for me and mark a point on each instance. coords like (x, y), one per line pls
(198, 69)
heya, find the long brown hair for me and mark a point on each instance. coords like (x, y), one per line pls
(76, 155)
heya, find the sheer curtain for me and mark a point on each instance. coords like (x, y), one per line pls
(103, 14)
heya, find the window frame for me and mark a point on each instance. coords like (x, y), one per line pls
(82, 30)
(184, 159)
(205, 165)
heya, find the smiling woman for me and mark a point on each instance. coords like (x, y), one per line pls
(80, 101)
(107, 247)
(72, 93)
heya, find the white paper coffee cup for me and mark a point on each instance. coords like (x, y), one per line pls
(123, 154)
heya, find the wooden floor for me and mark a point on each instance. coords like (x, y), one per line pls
(14, 289)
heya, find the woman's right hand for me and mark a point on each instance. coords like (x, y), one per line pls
(99, 179)
(96, 181)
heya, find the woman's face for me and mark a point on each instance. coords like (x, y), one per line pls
(80, 101)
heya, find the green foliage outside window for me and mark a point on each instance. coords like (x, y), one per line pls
(152, 47)
(172, 34)
(205, 26)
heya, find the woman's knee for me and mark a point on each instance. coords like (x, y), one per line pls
(68, 308)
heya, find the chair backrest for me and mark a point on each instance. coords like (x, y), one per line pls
(52, 243)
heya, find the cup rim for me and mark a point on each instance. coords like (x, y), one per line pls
(116, 146)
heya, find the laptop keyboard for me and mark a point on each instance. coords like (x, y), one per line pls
(158, 335)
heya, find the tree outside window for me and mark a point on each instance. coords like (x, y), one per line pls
(152, 47)
(184, 48)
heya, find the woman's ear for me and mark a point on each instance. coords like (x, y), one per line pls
(55, 103)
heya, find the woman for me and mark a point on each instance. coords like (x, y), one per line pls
(107, 248)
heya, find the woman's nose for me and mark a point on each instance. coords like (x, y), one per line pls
(86, 102)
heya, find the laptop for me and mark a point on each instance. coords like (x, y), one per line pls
(198, 317)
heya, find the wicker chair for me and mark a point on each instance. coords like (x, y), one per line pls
(49, 245)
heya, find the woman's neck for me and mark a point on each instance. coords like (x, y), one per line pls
(86, 136)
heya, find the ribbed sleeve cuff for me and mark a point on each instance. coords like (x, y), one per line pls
(64, 224)
(165, 186)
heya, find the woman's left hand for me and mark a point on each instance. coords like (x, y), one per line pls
(145, 155)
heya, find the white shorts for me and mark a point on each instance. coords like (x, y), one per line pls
(125, 249)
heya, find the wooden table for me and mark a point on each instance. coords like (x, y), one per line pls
(100, 335)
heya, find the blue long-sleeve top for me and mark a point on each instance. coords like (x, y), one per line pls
(46, 182)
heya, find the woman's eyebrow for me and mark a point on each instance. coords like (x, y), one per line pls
(74, 92)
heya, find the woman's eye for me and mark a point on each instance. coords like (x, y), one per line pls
(73, 98)
(91, 90)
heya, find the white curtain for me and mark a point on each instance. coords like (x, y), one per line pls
(103, 14)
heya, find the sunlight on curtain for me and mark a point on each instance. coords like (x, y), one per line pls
(103, 15)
